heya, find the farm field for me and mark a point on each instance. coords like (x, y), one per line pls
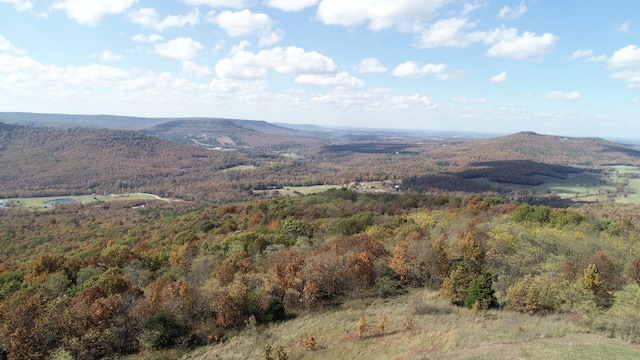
(616, 187)
(40, 203)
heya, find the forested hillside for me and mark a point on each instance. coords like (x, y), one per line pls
(91, 282)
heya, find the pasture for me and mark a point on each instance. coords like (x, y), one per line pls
(41, 203)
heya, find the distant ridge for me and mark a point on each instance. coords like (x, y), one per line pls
(528, 145)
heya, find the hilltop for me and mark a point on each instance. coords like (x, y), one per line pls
(53, 161)
(235, 134)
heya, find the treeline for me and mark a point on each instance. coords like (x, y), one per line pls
(91, 282)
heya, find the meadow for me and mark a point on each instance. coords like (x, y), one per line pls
(40, 203)
(421, 325)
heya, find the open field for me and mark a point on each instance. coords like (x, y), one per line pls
(612, 187)
(422, 326)
(37, 203)
(368, 186)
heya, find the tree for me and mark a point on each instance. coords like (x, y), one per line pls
(479, 294)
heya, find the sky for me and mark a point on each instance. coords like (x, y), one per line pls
(555, 67)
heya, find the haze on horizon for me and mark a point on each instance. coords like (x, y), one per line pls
(488, 66)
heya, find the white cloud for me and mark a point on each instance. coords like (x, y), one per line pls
(559, 95)
(513, 13)
(579, 54)
(599, 58)
(107, 55)
(627, 57)
(626, 62)
(405, 102)
(380, 14)
(529, 45)
(148, 17)
(588, 54)
(20, 5)
(180, 48)
(146, 38)
(7, 46)
(505, 42)
(624, 28)
(449, 33)
(243, 23)
(411, 69)
(190, 68)
(291, 5)
(499, 78)
(369, 66)
(234, 4)
(243, 64)
(91, 12)
(342, 79)
(630, 76)
(468, 100)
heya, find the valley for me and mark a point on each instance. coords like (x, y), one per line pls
(221, 238)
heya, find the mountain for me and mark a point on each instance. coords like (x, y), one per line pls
(52, 161)
(209, 133)
(234, 134)
(88, 121)
(541, 148)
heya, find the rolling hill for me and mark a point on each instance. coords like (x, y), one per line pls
(225, 159)
(54, 161)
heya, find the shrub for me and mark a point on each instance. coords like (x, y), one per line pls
(480, 293)
(533, 295)
(163, 331)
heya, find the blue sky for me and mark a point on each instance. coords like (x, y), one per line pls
(554, 67)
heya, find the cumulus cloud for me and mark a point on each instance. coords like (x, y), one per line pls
(588, 54)
(107, 55)
(579, 54)
(20, 5)
(449, 33)
(412, 69)
(626, 64)
(180, 48)
(468, 100)
(146, 38)
(91, 12)
(369, 66)
(342, 79)
(243, 23)
(529, 45)
(562, 96)
(513, 13)
(7, 46)
(192, 69)
(499, 78)
(148, 17)
(234, 4)
(379, 14)
(627, 57)
(291, 5)
(504, 42)
(292, 60)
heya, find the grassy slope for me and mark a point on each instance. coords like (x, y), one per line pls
(423, 326)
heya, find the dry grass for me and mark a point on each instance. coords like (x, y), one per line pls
(422, 326)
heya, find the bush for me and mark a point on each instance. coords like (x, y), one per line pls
(163, 331)
(354, 224)
(480, 293)
(534, 294)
